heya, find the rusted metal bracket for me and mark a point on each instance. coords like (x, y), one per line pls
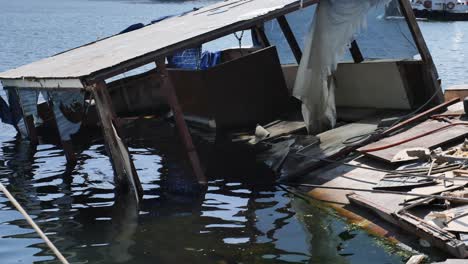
(169, 91)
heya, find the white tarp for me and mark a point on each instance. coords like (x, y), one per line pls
(334, 26)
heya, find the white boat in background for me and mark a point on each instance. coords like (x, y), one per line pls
(441, 9)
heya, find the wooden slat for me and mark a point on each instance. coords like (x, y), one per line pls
(356, 52)
(262, 37)
(430, 141)
(430, 74)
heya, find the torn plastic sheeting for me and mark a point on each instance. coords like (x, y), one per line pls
(28, 101)
(68, 107)
(10, 113)
(334, 26)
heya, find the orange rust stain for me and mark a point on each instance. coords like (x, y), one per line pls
(332, 199)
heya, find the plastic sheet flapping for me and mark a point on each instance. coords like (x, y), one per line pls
(10, 113)
(335, 23)
(67, 106)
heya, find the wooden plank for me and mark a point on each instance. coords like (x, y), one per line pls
(289, 35)
(105, 58)
(430, 141)
(430, 74)
(184, 132)
(415, 225)
(125, 174)
(356, 52)
(61, 84)
(261, 36)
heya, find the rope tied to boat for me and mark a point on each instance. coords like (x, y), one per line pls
(31, 222)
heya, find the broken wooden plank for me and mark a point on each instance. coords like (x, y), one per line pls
(380, 150)
(126, 175)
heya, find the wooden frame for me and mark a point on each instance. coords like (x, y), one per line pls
(184, 132)
(430, 74)
(125, 172)
(289, 35)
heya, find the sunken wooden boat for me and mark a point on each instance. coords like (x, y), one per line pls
(381, 88)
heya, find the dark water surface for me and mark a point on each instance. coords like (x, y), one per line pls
(240, 219)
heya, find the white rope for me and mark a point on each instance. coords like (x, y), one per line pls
(33, 224)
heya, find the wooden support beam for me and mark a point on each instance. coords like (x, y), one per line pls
(67, 147)
(169, 91)
(356, 52)
(431, 75)
(261, 36)
(31, 128)
(125, 173)
(296, 49)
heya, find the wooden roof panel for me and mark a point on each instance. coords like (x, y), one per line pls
(124, 52)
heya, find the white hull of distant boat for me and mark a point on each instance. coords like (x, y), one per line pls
(441, 9)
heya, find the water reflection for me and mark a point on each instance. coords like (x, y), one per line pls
(241, 218)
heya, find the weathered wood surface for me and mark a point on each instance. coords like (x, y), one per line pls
(111, 56)
(289, 35)
(126, 175)
(430, 141)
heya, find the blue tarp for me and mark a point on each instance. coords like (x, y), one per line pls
(210, 59)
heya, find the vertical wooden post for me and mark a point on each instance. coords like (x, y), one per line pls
(125, 173)
(261, 36)
(431, 72)
(27, 119)
(184, 132)
(296, 49)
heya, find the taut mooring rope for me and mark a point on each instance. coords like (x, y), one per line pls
(33, 224)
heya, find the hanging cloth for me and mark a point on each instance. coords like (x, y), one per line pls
(334, 26)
